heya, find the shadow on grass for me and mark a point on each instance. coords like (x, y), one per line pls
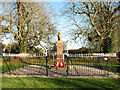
(101, 83)
(36, 82)
(118, 69)
(84, 83)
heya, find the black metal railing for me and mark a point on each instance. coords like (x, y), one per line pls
(76, 65)
(24, 65)
(90, 65)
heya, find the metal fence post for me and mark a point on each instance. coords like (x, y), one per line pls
(67, 65)
(9, 66)
(19, 63)
(46, 66)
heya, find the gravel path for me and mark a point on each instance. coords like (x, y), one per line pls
(76, 71)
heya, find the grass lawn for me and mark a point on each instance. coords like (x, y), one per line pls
(11, 66)
(36, 82)
(118, 68)
(15, 65)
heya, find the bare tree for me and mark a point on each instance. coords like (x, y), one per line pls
(29, 23)
(100, 22)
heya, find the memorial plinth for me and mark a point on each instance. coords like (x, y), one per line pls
(59, 45)
(59, 60)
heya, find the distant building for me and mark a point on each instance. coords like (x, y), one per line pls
(80, 50)
(42, 51)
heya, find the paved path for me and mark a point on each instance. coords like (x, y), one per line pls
(76, 71)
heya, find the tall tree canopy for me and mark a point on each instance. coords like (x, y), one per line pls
(101, 21)
(29, 23)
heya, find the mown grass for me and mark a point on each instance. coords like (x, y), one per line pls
(118, 68)
(6, 67)
(35, 82)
